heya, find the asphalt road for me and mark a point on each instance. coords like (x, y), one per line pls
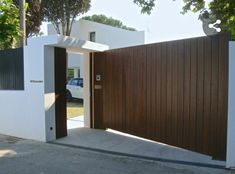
(19, 156)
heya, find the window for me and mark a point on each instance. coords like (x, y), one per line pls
(70, 74)
(80, 82)
(92, 36)
(74, 82)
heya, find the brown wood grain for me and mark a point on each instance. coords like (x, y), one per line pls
(60, 63)
(171, 92)
(98, 62)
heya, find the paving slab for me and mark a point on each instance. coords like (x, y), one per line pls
(115, 142)
(75, 122)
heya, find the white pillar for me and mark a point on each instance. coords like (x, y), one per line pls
(86, 82)
(49, 93)
(82, 67)
(230, 162)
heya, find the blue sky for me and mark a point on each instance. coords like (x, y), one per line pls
(165, 22)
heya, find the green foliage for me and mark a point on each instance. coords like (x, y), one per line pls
(146, 5)
(218, 9)
(62, 13)
(10, 32)
(193, 5)
(108, 21)
(34, 17)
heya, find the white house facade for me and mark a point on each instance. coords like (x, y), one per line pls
(104, 34)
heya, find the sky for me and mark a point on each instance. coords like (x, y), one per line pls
(163, 24)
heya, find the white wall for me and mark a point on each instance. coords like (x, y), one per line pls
(87, 95)
(230, 162)
(112, 36)
(76, 61)
(105, 34)
(30, 113)
(22, 112)
(49, 90)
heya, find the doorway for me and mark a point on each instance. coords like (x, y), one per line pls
(72, 111)
(75, 90)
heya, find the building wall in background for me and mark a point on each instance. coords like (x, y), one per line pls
(112, 36)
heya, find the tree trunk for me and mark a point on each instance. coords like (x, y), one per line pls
(22, 23)
(67, 27)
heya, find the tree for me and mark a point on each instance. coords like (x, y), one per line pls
(10, 32)
(108, 21)
(218, 9)
(62, 13)
(146, 5)
(34, 17)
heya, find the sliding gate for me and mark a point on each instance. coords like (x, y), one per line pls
(172, 92)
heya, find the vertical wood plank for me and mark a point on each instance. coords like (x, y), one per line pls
(214, 92)
(180, 92)
(157, 96)
(187, 78)
(223, 96)
(163, 119)
(175, 78)
(207, 97)
(169, 94)
(151, 104)
(200, 94)
(173, 90)
(99, 62)
(60, 62)
(193, 94)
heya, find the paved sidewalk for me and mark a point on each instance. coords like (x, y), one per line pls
(75, 122)
(19, 156)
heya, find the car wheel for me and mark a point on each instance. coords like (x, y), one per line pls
(69, 96)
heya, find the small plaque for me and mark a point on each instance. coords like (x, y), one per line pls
(36, 81)
(98, 87)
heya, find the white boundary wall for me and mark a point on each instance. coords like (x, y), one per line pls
(230, 162)
(30, 113)
(22, 112)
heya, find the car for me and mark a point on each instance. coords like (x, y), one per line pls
(74, 89)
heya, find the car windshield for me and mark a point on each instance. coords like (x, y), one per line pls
(80, 82)
(76, 82)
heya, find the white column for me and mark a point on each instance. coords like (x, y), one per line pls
(86, 82)
(230, 162)
(82, 63)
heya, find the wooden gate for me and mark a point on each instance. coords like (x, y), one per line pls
(60, 64)
(172, 92)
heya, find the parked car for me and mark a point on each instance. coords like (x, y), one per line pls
(75, 88)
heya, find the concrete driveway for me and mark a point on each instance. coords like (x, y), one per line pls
(19, 156)
(114, 142)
